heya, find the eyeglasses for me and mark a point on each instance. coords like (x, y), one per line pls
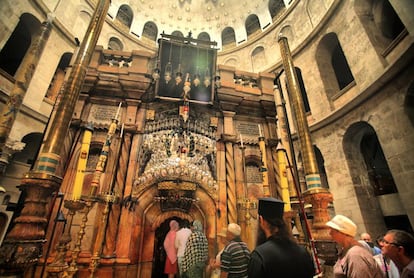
(383, 241)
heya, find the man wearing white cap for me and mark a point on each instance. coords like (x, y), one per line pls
(354, 260)
(236, 255)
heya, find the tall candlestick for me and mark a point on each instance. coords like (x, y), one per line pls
(260, 130)
(241, 140)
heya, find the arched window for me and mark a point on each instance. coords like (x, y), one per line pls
(389, 22)
(258, 58)
(150, 31)
(29, 153)
(115, 44)
(381, 23)
(276, 7)
(59, 77)
(252, 25)
(378, 171)
(372, 178)
(125, 15)
(228, 38)
(12, 54)
(340, 65)
(177, 34)
(204, 36)
(333, 65)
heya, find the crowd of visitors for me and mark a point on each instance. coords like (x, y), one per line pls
(392, 258)
(277, 254)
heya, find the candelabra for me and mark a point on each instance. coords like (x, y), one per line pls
(247, 205)
(59, 264)
(59, 267)
(87, 204)
(107, 200)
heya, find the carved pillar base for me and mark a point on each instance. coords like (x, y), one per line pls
(320, 198)
(23, 244)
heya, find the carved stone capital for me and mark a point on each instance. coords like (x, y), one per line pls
(12, 146)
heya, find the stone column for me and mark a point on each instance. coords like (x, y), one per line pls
(229, 138)
(23, 244)
(22, 80)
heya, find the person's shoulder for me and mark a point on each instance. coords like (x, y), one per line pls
(358, 249)
(410, 266)
(185, 231)
(264, 246)
(356, 252)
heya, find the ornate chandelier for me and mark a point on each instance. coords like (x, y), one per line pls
(177, 149)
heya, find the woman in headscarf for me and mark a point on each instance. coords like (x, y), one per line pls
(171, 266)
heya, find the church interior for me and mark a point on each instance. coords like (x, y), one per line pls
(120, 116)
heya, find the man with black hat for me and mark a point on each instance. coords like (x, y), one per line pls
(276, 254)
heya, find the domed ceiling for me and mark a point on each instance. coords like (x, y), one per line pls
(199, 15)
(204, 16)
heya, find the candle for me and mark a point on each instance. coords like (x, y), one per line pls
(122, 130)
(260, 131)
(81, 167)
(241, 140)
(117, 112)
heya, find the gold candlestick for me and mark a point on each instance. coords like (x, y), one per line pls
(59, 264)
(108, 200)
(73, 267)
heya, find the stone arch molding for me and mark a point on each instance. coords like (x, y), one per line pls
(182, 173)
(149, 217)
(152, 216)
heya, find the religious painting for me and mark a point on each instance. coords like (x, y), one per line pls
(187, 69)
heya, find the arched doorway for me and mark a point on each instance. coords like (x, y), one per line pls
(151, 226)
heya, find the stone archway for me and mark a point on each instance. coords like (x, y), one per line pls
(152, 217)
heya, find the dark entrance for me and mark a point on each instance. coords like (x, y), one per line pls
(159, 252)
